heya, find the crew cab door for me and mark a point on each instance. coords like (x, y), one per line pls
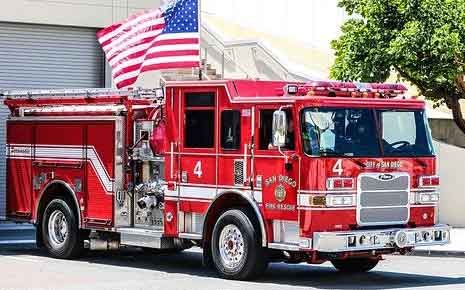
(277, 172)
(198, 149)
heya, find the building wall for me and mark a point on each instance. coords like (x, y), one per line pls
(445, 130)
(88, 13)
(79, 13)
(313, 23)
(450, 160)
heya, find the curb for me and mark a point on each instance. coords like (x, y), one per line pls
(18, 247)
(435, 253)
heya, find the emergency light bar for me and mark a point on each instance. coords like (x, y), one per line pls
(346, 89)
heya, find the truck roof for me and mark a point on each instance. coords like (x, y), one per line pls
(315, 93)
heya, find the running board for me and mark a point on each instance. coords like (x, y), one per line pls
(284, 246)
(144, 238)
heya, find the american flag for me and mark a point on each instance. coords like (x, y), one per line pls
(164, 38)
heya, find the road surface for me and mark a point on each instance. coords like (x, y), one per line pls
(32, 269)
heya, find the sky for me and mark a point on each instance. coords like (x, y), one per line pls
(314, 22)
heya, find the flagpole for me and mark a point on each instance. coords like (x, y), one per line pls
(201, 67)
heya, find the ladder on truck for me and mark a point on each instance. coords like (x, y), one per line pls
(77, 100)
(79, 93)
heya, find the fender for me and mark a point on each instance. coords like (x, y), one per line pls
(248, 198)
(71, 192)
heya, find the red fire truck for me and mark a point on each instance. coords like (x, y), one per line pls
(251, 171)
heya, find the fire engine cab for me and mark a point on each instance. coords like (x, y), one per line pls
(251, 171)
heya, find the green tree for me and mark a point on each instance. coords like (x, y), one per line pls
(423, 41)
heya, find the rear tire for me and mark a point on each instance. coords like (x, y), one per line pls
(60, 231)
(355, 265)
(237, 253)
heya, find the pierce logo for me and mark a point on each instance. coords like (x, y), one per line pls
(386, 177)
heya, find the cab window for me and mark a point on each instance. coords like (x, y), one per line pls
(199, 120)
(266, 123)
(231, 130)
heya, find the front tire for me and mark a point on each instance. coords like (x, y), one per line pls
(236, 249)
(60, 231)
(355, 265)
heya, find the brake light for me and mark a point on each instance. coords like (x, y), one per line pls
(340, 183)
(428, 181)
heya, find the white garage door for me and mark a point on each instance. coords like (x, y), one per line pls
(43, 56)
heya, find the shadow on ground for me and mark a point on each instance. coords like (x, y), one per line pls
(320, 276)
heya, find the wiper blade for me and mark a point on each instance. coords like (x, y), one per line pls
(358, 162)
(330, 153)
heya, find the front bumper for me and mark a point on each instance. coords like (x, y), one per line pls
(381, 239)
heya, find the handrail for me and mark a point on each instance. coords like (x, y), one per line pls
(265, 49)
(222, 50)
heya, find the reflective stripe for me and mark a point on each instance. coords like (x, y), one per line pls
(63, 152)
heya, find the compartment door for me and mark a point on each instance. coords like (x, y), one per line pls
(19, 169)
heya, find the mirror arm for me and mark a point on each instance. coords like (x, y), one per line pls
(279, 147)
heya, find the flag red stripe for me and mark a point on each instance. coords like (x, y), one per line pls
(142, 41)
(168, 65)
(130, 56)
(127, 69)
(109, 29)
(134, 34)
(127, 82)
(172, 53)
(155, 55)
(176, 41)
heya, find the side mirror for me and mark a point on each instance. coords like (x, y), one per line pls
(279, 128)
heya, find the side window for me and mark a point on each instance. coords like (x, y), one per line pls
(199, 120)
(231, 130)
(266, 130)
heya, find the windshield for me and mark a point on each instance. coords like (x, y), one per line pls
(365, 132)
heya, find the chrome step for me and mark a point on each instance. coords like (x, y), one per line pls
(146, 238)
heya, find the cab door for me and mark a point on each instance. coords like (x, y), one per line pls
(235, 144)
(277, 172)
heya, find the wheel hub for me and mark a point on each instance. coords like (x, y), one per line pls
(231, 246)
(57, 228)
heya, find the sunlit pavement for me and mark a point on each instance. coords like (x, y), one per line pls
(130, 269)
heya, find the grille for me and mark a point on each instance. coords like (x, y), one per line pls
(383, 199)
(238, 172)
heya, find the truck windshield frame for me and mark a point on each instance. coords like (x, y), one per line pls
(365, 132)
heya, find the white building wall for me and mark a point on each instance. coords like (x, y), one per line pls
(88, 13)
(452, 203)
(314, 22)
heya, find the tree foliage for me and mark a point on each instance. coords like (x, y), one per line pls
(422, 40)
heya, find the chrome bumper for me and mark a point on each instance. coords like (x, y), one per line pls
(381, 239)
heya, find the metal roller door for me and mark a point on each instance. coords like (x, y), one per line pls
(44, 56)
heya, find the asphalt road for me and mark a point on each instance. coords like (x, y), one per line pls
(32, 269)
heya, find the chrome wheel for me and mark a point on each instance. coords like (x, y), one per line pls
(231, 246)
(57, 228)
